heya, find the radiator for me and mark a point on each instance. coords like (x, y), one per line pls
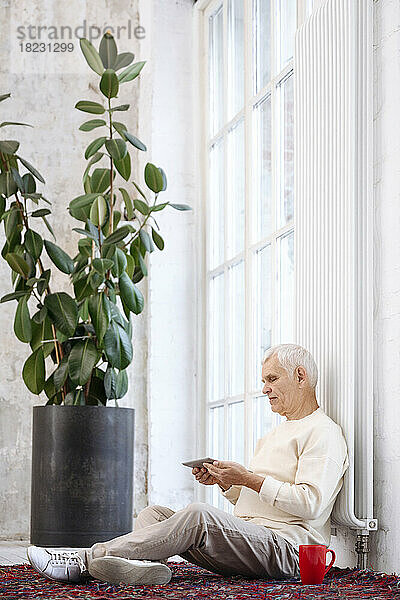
(333, 231)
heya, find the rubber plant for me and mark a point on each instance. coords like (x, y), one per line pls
(85, 334)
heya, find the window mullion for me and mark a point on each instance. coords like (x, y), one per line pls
(249, 282)
(227, 308)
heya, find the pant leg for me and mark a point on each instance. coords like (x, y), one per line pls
(210, 538)
(152, 514)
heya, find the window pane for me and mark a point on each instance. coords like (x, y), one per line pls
(262, 43)
(287, 10)
(263, 169)
(216, 81)
(216, 339)
(287, 288)
(235, 196)
(263, 302)
(236, 432)
(216, 430)
(236, 376)
(287, 162)
(216, 205)
(235, 57)
(262, 418)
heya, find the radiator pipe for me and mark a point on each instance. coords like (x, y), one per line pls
(362, 548)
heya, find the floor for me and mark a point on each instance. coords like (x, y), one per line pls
(14, 553)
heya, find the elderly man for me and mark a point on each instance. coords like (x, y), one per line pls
(283, 500)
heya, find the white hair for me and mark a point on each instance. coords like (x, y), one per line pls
(292, 356)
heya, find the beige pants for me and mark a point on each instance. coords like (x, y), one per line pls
(208, 537)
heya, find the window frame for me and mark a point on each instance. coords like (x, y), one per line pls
(203, 10)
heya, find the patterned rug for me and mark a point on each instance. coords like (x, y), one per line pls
(191, 582)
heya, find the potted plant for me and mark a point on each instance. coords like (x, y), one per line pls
(82, 454)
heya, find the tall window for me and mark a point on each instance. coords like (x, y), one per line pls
(249, 228)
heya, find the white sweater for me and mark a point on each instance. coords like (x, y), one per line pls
(303, 462)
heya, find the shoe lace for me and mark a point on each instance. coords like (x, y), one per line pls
(69, 559)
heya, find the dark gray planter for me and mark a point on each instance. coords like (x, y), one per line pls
(82, 474)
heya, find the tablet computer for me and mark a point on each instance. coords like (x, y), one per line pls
(198, 462)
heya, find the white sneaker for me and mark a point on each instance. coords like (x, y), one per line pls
(58, 564)
(115, 569)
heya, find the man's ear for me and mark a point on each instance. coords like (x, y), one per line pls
(301, 375)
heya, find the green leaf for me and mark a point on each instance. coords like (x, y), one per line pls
(181, 206)
(108, 50)
(141, 206)
(109, 84)
(118, 235)
(146, 241)
(123, 166)
(118, 347)
(110, 383)
(29, 183)
(33, 243)
(142, 265)
(22, 321)
(128, 203)
(34, 373)
(153, 178)
(90, 107)
(119, 263)
(121, 384)
(98, 211)
(13, 296)
(134, 141)
(99, 315)
(159, 242)
(40, 316)
(131, 72)
(18, 264)
(158, 207)
(82, 360)
(5, 123)
(164, 178)
(43, 281)
(82, 288)
(92, 124)
(32, 169)
(116, 148)
(120, 127)
(60, 258)
(8, 187)
(139, 190)
(94, 146)
(49, 227)
(42, 331)
(41, 212)
(60, 374)
(123, 60)
(79, 207)
(102, 265)
(63, 311)
(9, 146)
(100, 180)
(130, 294)
(120, 108)
(92, 56)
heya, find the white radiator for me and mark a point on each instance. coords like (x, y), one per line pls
(333, 229)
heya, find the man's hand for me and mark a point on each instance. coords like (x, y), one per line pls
(227, 473)
(203, 476)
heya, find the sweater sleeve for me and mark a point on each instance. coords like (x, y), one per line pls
(232, 493)
(316, 481)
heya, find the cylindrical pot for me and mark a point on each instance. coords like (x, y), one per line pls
(82, 474)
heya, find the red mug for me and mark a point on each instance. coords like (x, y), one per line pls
(312, 559)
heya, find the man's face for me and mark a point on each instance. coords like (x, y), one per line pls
(282, 391)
